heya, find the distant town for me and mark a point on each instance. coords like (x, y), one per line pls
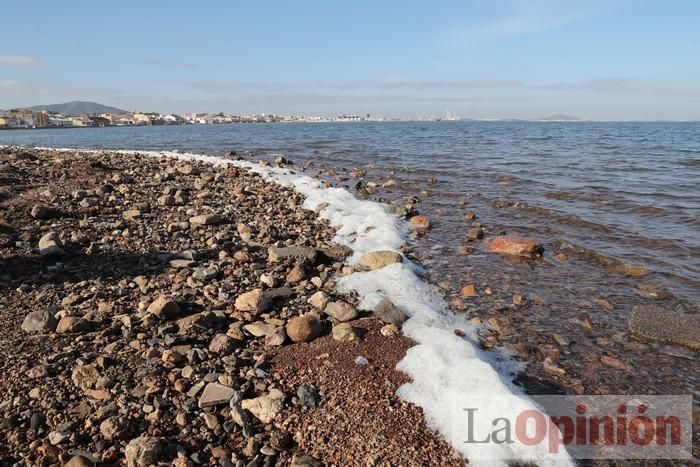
(90, 114)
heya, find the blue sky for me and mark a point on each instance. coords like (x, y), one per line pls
(623, 59)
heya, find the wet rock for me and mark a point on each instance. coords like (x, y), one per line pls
(379, 259)
(276, 254)
(475, 233)
(50, 245)
(304, 328)
(342, 311)
(513, 245)
(205, 219)
(344, 332)
(215, 394)
(39, 321)
(421, 223)
(398, 211)
(652, 322)
(628, 269)
(143, 451)
(389, 313)
(615, 363)
(468, 290)
(265, 408)
(164, 308)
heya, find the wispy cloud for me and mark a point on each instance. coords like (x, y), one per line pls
(520, 17)
(19, 60)
(168, 65)
(621, 86)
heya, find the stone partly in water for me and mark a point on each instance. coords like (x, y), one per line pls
(654, 323)
(389, 313)
(475, 233)
(379, 259)
(513, 245)
(421, 223)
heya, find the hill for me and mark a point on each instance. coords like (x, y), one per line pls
(79, 108)
(561, 118)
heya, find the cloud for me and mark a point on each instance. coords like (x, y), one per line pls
(18, 60)
(521, 17)
(422, 85)
(621, 86)
(168, 65)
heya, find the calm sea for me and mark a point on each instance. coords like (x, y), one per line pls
(601, 194)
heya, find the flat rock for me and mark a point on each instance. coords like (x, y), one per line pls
(73, 324)
(379, 259)
(260, 328)
(215, 394)
(205, 219)
(652, 322)
(276, 254)
(513, 245)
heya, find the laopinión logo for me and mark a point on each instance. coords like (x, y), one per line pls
(585, 427)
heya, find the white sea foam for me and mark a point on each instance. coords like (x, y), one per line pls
(449, 372)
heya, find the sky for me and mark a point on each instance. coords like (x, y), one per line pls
(605, 60)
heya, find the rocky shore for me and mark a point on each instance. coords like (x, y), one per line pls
(155, 311)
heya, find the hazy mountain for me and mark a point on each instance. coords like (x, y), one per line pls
(79, 108)
(561, 118)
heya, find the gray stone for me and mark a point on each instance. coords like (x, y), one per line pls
(669, 326)
(39, 321)
(50, 245)
(276, 254)
(389, 313)
(215, 394)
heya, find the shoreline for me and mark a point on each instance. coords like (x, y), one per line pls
(107, 407)
(441, 333)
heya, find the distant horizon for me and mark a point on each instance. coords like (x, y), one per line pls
(501, 59)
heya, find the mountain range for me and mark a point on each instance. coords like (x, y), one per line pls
(79, 108)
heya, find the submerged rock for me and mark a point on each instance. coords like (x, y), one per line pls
(513, 245)
(654, 323)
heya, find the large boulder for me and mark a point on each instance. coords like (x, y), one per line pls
(379, 259)
(513, 245)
